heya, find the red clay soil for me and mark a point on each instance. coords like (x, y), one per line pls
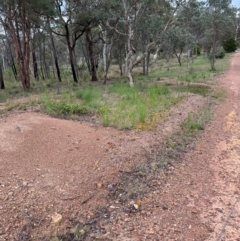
(49, 166)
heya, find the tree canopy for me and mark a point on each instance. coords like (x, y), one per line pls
(40, 38)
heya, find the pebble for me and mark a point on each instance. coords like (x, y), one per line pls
(164, 207)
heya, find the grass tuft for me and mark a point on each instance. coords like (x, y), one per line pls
(62, 107)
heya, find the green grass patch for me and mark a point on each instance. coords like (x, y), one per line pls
(197, 121)
(117, 104)
(64, 106)
(199, 71)
(137, 107)
(89, 95)
(3, 97)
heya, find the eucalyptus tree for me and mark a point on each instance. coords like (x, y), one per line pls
(109, 38)
(67, 25)
(87, 19)
(237, 25)
(190, 25)
(130, 13)
(20, 27)
(218, 19)
(7, 51)
(53, 52)
(175, 39)
(150, 28)
(76, 19)
(20, 16)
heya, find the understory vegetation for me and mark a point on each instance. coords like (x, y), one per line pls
(117, 104)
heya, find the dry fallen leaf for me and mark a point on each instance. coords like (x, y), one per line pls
(138, 202)
(90, 213)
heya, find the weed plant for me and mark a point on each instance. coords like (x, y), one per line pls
(135, 106)
(62, 106)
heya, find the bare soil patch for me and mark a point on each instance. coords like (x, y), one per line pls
(51, 165)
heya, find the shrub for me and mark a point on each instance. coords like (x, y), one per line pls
(220, 54)
(230, 45)
(197, 50)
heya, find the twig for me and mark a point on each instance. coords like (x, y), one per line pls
(86, 200)
(73, 198)
(70, 198)
(227, 220)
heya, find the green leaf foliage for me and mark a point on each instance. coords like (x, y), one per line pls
(230, 45)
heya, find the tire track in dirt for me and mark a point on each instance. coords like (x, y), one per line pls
(50, 165)
(224, 215)
(202, 193)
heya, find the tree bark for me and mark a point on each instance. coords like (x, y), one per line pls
(70, 51)
(54, 53)
(144, 66)
(34, 58)
(2, 85)
(178, 56)
(89, 42)
(104, 54)
(22, 51)
(147, 62)
(41, 61)
(46, 68)
(12, 63)
(35, 66)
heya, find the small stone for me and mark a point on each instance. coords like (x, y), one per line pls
(164, 207)
(136, 206)
(151, 231)
(194, 211)
(56, 218)
(82, 231)
(17, 128)
(131, 203)
(210, 229)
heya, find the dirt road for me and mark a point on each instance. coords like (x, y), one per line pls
(213, 168)
(220, 148)
(52, 166)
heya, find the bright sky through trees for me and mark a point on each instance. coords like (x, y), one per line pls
(236, 3)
